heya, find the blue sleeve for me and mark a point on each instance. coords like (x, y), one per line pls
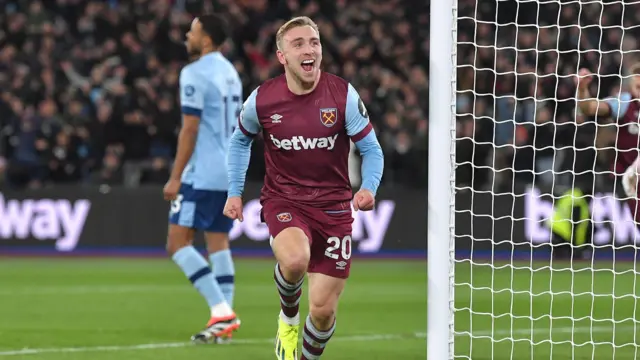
(361, 132)
(248, 121)
(191, 92)
(239, 153)
(619, 105)
(238, 158)
(357, 118)
(372, 162)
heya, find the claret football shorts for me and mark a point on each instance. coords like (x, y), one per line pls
(328, 231)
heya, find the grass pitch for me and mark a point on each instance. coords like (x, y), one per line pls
(146, 309)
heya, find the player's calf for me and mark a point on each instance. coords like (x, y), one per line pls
(197, 270)
(222, 263)
(291, 248)
(324, 293)
(315, 340)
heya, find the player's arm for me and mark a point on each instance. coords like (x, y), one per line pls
(589, 105)
(192, 103)
(240, 145)
(361, 132)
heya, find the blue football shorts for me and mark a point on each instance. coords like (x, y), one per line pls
(200, 210)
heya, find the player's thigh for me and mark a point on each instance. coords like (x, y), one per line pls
(215, 224)
(324, 295)
(181, 219)
(290, 233)
(330, 262)
(331, 244)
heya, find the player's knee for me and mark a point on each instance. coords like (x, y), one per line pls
(177, 239)
(292, 251)
(217, 242)
(174, 246)
(322, 314)
(294, 263)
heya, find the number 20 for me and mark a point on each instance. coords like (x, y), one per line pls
(335, 243)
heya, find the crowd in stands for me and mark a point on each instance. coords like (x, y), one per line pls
(517, 115)
(88, 88)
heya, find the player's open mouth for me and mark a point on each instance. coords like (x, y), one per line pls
(307, 65)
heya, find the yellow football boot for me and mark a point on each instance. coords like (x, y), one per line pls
(287, 341)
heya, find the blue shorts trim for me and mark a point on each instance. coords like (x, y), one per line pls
(200, 210)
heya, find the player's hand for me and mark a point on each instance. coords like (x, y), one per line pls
(630, 182)
(364, 200)
(171, 189)
(584, 79)
(233, 208)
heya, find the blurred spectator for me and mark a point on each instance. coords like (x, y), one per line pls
(88, 88)
(516, 62)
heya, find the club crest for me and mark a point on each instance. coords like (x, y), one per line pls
(328, 116)
(284, 217)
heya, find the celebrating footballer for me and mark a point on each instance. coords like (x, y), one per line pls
(307, 118)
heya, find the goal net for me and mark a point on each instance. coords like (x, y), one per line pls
(545, 243)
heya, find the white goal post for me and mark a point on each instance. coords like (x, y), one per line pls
(441, 197)
(532, 247)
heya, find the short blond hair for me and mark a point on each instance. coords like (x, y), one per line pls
(294, 23)
(634, 69)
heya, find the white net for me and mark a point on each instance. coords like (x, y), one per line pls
(526, 154)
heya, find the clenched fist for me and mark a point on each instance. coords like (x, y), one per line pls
(364, 200)
(584, 79)
(630, 182)
(233, 208)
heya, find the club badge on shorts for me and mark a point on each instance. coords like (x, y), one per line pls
(284, 217)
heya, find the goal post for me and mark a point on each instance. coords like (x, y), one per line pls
(441, 183)
(545, 246)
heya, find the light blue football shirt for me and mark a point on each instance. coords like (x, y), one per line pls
(210, 88)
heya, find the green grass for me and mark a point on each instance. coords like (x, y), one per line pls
(570, 315)
(98, 302)
(105, 308)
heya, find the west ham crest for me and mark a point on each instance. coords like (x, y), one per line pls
(284, 217)
(328, 116)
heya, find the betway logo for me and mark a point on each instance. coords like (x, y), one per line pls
(302, 143)
(44, 219)
(613, 223)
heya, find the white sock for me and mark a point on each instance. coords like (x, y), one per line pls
(290, 320)
(221, 310)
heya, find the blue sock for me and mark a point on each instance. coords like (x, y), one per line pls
(197, 270)
(223, 270)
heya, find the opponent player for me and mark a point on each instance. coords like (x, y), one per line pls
(210, 93)
(307, 118)
(624, 110)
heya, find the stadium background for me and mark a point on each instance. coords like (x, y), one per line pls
(90, 112)
(89, 106)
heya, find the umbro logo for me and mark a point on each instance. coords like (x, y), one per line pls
(275, 118)
(341, 265)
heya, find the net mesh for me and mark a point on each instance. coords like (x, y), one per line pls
(526, 153)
